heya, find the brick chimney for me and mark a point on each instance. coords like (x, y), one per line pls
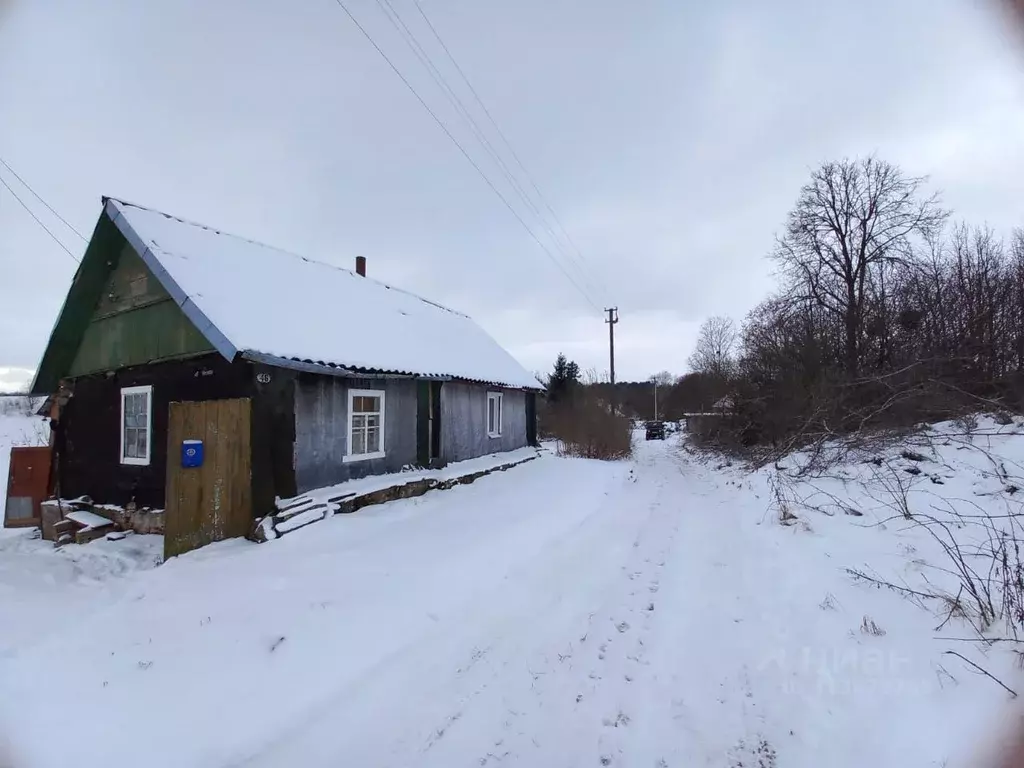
(361, 266)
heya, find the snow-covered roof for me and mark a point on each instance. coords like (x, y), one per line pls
(256, 300)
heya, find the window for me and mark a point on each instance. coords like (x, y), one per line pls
(365, 424)
(136, 420)
(494, 414)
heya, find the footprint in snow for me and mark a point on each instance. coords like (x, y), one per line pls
(622, 626)
(620, 719)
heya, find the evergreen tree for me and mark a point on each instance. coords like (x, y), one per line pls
(563, 379)
(572, 374)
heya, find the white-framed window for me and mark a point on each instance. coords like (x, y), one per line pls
(136, 424)
(494, 414)
(365, 424)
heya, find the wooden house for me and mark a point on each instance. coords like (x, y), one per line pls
(207, 374)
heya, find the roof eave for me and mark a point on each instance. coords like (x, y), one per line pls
(333, 369)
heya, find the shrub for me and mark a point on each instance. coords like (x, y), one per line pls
(588, 429)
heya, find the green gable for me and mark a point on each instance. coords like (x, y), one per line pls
(116, 315)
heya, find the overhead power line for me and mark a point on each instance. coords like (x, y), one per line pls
(395, 17)
(409, 37)
(39, 221)
(508, 145)
(38, 197)
(465, 154)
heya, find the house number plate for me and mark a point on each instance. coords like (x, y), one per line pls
(263, 378)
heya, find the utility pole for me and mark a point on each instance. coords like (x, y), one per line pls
(613, 318)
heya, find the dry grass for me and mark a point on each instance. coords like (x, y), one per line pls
(589, 430)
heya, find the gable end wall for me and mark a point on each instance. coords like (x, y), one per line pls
(135, 321)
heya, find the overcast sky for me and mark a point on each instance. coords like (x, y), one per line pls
(671, 138)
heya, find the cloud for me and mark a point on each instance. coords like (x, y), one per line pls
(15, 379)
(670, 138)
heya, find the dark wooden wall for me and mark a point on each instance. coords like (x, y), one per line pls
(464, 421)
(273, 436)
(321, 429)
(299, 429)
(89, 435)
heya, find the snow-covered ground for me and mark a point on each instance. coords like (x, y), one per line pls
(43, 589)
(564, 613)
(18, 426)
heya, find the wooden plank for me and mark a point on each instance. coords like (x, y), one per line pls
(214, 480)
(245, 474)
(233, 474)
(208, 511)
(230, 467)
(209, 523)
(172, 508)
(225, 426)
(242, 470)
(296, 502)
(191, 493)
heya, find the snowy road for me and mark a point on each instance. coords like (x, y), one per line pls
(546, 666)
(565, 613)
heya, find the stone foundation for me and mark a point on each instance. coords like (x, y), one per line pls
(305, 510)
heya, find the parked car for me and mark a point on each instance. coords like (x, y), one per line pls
(655, 430)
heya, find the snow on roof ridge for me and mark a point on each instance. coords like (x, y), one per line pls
(290, 254)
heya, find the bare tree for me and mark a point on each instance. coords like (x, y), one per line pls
(884, 318)
(716, 343)
(664, 378)
(852, 220)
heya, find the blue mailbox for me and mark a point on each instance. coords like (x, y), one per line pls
(191, 453)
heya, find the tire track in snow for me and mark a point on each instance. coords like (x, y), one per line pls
(565, 662)
(701, 704)
(630, 669)
(569, 699)
(578, 710)
(490, 659)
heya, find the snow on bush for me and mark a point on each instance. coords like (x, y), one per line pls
(956, 486)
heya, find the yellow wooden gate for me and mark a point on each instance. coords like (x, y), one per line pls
(214, 500)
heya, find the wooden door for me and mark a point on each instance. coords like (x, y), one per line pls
(531, 418)
(28, 484)
(428, 422)
(435, 421)
(214, 500)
